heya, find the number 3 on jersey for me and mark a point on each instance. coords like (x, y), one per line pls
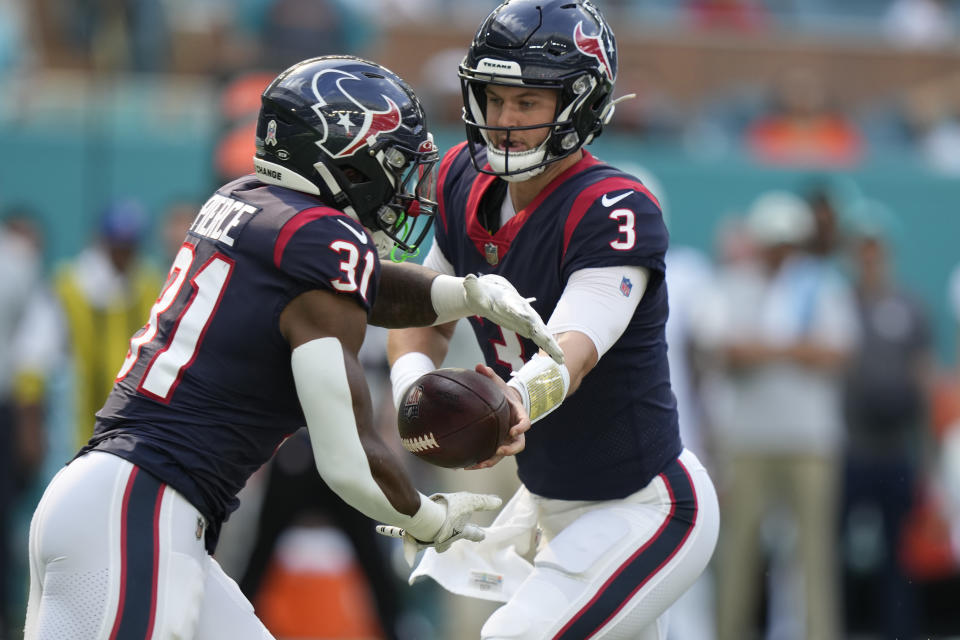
(627, 229)
(208, 285)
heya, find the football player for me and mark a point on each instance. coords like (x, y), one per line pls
(255, 333)
(614, 518)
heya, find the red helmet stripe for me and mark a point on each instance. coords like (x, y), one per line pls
(592, 46)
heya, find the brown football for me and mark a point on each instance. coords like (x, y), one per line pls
(453, 418)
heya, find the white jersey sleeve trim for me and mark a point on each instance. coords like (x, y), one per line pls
(599, 303)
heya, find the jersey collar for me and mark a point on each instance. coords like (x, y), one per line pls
(494, 247)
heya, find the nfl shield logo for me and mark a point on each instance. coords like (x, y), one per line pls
(490, 252)
(626, 287)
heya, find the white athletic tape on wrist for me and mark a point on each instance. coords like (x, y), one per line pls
(542, 383)
(449, 299)
(405, 371)
(426, 522)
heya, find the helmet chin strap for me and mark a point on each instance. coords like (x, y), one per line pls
(498, 162)
(384, 244)
(336, 191)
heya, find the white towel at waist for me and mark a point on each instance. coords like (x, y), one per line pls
(494, 568)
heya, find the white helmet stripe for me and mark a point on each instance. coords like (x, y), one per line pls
(273, 173)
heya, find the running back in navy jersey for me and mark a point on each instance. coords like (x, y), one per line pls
(207, 384)
(612, 436)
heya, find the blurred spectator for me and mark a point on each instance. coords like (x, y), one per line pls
(294, 30)
(748, 16)
(392, 11)
(950, 455)
(784, 328)
(107, 35)
(105, 293)
(21, 436)
(802, 127)
(953, 298)
(688, 276)
(825, 205)
(177, 220)
(439, 88)
(205, 36)
(920, 23)
(931, 115)
(15, 45)
(885, 394)
(652, 115)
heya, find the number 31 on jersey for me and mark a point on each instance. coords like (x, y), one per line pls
(209, 282)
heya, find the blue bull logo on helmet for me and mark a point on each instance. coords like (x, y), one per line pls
(349, 114)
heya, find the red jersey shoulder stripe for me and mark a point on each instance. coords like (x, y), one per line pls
(294, 224)
(589, 195)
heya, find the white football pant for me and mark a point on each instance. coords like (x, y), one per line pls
(610, 570)
(117, 555)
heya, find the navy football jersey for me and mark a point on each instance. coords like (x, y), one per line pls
(206, 392)
(619, 429)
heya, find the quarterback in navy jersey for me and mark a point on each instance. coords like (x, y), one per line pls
(614, 518)
(255, 334)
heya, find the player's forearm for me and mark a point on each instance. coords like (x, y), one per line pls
(403, 299)
(580, 356)
(432, 341)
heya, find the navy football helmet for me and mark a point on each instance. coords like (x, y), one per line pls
(355, 134)
(548, 44)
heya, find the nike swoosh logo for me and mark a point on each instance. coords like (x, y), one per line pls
(359, 235)
(609, 202)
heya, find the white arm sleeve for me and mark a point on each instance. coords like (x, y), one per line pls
(405, 371)
(437, 261)
(320, 374)
(599, 303)
(446, 292)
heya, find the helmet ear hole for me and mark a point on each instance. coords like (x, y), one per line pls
(354, 175)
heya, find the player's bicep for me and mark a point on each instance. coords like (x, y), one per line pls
(319, 313)
(433, 341)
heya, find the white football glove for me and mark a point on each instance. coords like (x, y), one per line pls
(460, 507)
(493, 297)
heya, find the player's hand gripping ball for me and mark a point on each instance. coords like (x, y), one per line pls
(453, 418)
